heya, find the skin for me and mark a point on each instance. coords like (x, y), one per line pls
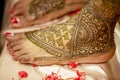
(21, 46)
(20, 10)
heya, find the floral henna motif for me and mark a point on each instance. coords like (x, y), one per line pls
(40, 7)
(55, 39)
(91, 33)
(107, 8)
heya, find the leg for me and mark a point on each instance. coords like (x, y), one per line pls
(85, 38)
(29, 12)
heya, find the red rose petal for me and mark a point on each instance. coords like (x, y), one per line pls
(78, 78)
(83, 78)
(48, 78)
(72, 64)
(23, 74)
(34, 65)
(53, 76)
(80, 73)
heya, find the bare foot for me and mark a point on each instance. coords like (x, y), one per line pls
(29, 12)
(84, 38)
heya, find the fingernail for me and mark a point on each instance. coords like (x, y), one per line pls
(14, 20)
(8, 34)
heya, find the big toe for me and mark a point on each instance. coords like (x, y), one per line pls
(25, 59)
(11, 37)
(21, 21)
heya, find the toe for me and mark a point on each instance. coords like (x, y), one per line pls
(21, 21)
(18, 7)
(18, 54)
(11, 37)
(16, 43)
(17, 12)
(16, 47)
(10, 49)
(24, 59)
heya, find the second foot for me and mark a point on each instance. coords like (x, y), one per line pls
(25, 13)
(26, 52)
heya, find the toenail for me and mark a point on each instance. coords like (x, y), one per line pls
(47, 26)
(23, 59)
(10, 11)
(8, 44)
(11, 52)
(8, 34)
(14, 20)
(10, 49)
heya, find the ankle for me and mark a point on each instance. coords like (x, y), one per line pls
(107, 8)
(94, 33)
